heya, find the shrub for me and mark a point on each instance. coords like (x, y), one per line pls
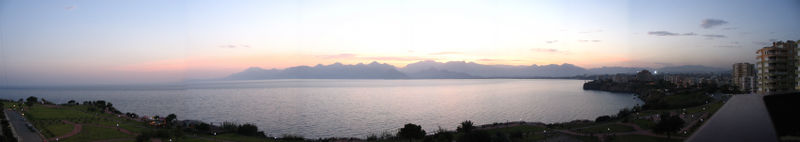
(411, 131)
(248, 130)
(602, 118)
(465, 127)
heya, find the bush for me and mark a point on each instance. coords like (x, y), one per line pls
(248, 130)
(31, 100)
(603, 118)
(465, 127)
(204, 127)
(668, 124)
(411, 131)
(288, 137)
(230, 126)
(475, 136)
(443, 135)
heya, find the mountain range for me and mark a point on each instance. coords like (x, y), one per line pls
(446, 70)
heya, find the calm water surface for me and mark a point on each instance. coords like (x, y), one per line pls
(354, 108)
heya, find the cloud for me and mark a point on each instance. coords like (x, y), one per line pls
(729, 46)
(592, 31)
(730, 28)
(445, 53)
(762, 43)
(232, 46)
(551, 50)
(488, 60)
(551, 41)
(666, 33)
(585, 40)
(714, 36)
(71, 7)
(710, 23)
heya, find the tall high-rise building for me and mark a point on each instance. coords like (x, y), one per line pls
(777, 68)
(744, 77)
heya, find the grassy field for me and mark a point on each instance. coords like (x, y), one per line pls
(606, 128)
(643, 123)
(58, 129)
(92, 133)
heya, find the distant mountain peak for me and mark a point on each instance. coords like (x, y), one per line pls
(449, 69)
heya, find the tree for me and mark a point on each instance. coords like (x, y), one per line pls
(411, 131)
(465, 127)
(602, 118)
(31, 100)
(668, 124)
(171, 118)
(71, 102)
(248, 130)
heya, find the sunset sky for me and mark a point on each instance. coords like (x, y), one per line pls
(119, 42)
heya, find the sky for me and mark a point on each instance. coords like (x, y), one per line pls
(143, 41)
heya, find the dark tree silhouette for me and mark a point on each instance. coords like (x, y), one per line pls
(465, 127)
(668, 124)
(411, 131)
(171, 118)
(31, 100)
(248, 130)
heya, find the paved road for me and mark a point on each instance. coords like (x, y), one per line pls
(19, 126)
(744, 118)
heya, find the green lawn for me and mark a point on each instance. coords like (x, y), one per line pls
(605, 128)
(644, 123)
(93, 133)
(59, 129)
(40, 112)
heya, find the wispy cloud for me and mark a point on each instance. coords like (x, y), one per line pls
(488, 60)
(586, 40)
(666, 33)
(729, 46)
(446, 53)
(590, 31)
(71, 7)
(550, 50)
(762, 43)
(551, 41)
(710, 23)
(714, 36)
(730, 28)
(231, 46)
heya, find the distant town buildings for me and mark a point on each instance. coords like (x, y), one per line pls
(777, 68)
(744, 77)
(644, 75)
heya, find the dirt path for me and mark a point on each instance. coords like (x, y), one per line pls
(76, 128)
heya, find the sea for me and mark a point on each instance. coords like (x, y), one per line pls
(324, 108)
